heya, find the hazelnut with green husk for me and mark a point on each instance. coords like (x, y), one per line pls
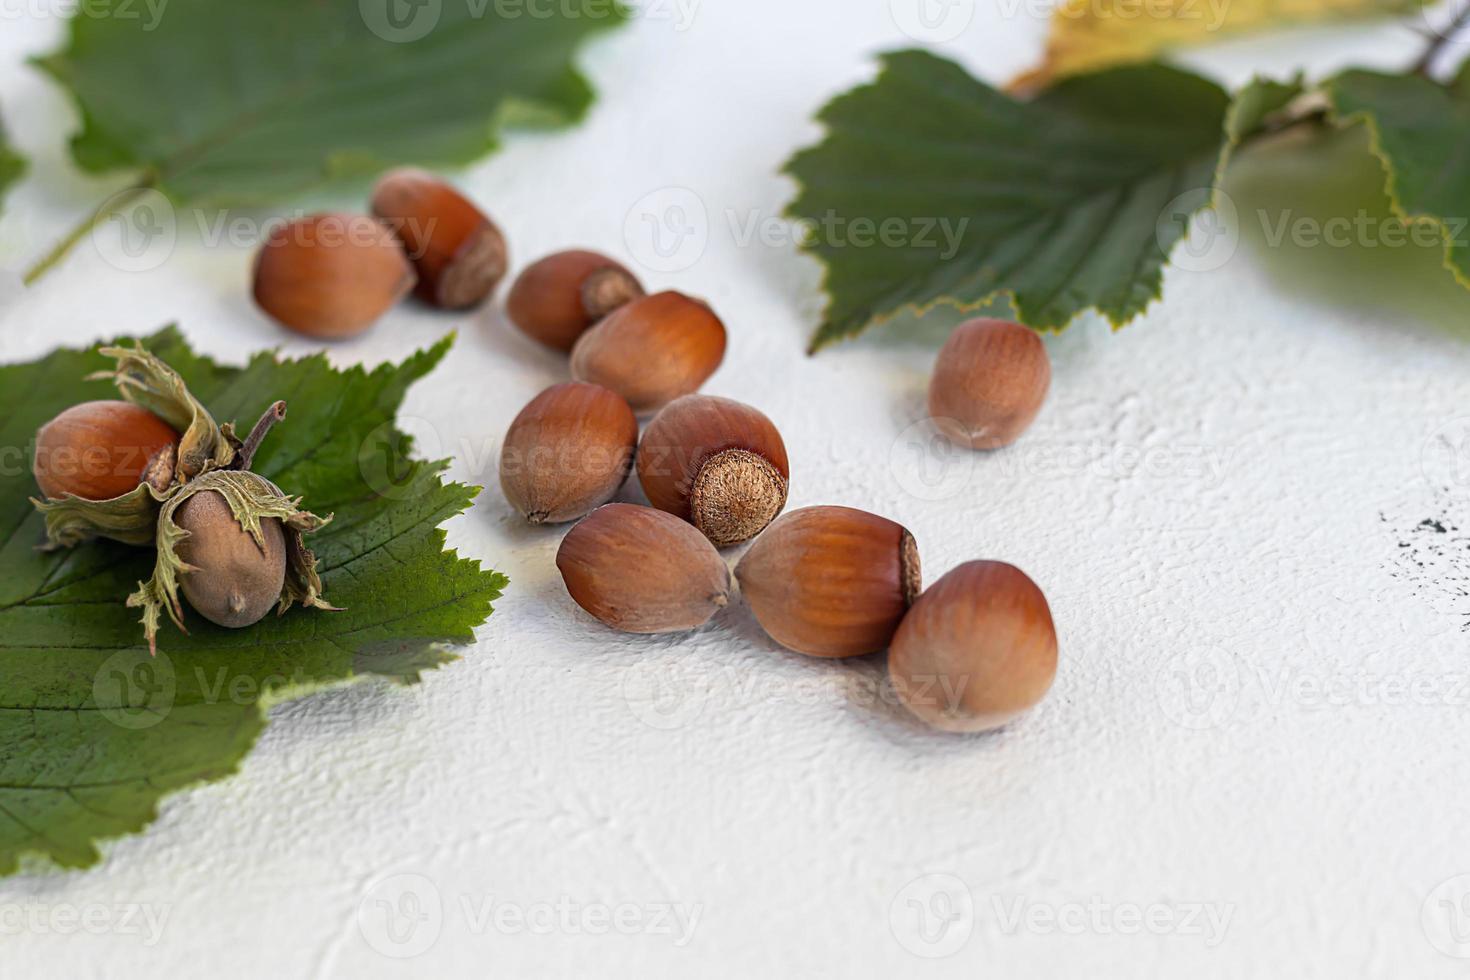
(156, 469)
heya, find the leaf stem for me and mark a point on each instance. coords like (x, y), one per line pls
(1441, 40)
(112, 206)
(252, 442)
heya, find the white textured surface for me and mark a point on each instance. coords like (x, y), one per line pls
(1224, 485)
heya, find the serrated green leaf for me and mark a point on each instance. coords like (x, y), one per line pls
(1420, 132)
(92, 731)
(1061, 198)
(223, 102)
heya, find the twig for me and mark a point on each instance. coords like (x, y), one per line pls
(252, 442)
(113, 206)
(1425, 64)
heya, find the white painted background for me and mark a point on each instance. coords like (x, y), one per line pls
(1214, 500)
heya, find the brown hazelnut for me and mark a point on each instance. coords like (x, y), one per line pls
(716, 463)
(989, 383)
(331, 276)
(556, 299)
(831, 581)
(640, 570)
(229, 578)
(652, 350)
(977, 649)
(459, 254)
(567, 452)
(103, 449)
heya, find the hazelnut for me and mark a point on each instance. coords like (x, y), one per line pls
(652, 350)
(640, 570)
(229, 577)
(331, 276)
(103, 449)
(977, 649)
(989, 382)
(831, 581)
(459, 254)
(567, 452)
(716, 463)
(556, 299)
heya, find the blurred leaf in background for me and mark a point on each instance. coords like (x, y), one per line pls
(1420, 132)
(219, 102)
(1087, 35)
(12, 165)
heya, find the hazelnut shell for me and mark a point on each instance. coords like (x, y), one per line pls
(641, 570)
(977, 650)
(989, 383)
(716, 463)
(652, 350)
(229, 578)
(567, 452)
(331, 276)
(831, 581)
(556, 299)
(459, 254)
(102, 449)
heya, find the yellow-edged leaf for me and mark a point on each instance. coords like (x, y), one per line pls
(1087, 35)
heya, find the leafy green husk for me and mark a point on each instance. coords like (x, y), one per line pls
(1420, 132)
(94, 732)
(251, 499)
(220, 102)
(1061, 196)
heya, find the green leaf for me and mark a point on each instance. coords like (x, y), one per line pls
(1058, 201)
(1420, 132)
(92, 731)
(12, 165)
(224, 102)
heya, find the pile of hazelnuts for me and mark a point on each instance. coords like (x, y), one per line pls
(970, 653)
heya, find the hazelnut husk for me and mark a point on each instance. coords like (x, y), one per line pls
(459, 254)
(977, 650)
(331, 276)
(989, 383)
(831, 581)
(717, 463)
(641, 570)
(230, 576)
(555, 300)
(100, 450)
(567, 452)
(652, 350)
